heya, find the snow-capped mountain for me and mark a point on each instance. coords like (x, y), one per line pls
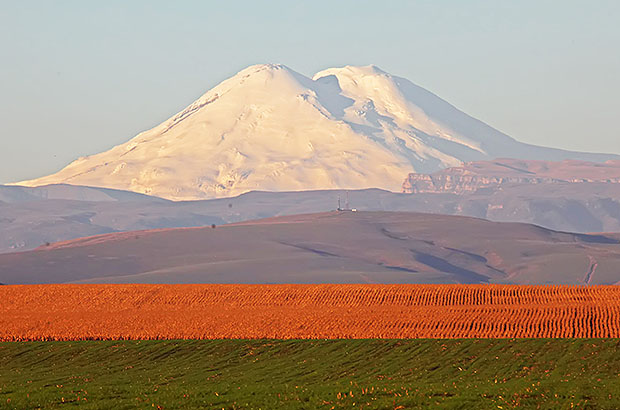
(271, 128)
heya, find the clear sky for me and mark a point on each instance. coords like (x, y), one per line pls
(78, 77)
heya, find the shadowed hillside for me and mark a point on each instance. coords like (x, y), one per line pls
(333, 247)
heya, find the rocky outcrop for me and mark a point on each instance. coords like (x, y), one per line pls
(473, 176)
(458, 184)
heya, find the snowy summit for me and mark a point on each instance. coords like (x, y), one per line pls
(271, 128)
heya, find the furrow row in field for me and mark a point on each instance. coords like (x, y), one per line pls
(79, 312)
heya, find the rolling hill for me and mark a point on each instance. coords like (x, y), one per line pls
(572, 196)
(31, 217)
(333, 247)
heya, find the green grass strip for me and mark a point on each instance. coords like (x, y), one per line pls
(307, 374)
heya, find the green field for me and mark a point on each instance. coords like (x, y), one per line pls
(274, 374)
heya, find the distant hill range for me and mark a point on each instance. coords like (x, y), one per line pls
(333, 247)
(269, 128)
(570, 196)
(10, 194)
(30, 217)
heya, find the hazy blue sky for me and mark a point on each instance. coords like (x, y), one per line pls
(77, 77)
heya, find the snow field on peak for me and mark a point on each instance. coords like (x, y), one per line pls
(271, 128)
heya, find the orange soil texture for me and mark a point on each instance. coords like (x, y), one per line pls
(104, 312)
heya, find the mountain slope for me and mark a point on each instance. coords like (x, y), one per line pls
(271, 128)
(333, 247)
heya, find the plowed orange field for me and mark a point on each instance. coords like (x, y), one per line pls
(79, 312)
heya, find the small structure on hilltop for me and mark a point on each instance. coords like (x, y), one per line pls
(346, 205)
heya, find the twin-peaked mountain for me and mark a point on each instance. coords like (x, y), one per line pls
(271, 128)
